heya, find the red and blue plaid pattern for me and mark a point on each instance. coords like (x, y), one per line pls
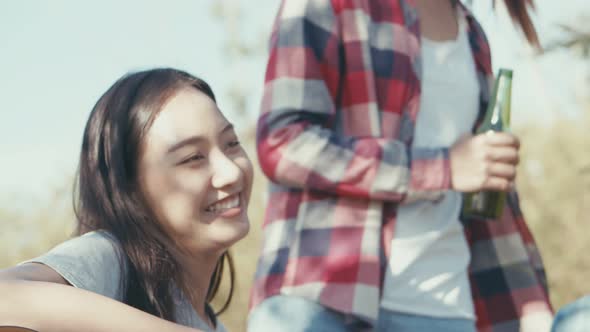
(341, 97)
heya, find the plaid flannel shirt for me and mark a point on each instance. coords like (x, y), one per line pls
(341, 96)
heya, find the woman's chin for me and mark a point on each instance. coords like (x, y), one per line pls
(228, 232)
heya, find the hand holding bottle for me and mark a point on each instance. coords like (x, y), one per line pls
(485, 161)
(486, 164)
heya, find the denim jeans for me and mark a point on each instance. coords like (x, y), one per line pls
(293, 314)
(574, 317)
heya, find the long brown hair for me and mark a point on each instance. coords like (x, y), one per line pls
(107, 195)
(519, 13)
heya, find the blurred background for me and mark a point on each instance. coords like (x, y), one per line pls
(57, 58)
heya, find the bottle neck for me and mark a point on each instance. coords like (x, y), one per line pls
(498, 114)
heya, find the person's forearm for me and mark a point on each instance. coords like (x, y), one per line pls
(309, 156)
(48, 307)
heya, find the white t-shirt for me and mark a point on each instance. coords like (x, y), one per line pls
(91, 262)
(429, 257)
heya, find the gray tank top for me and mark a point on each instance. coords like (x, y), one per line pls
(91, 262)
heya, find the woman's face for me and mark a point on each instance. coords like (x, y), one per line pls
(195, 175)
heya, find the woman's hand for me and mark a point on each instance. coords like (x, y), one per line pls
(484, 162)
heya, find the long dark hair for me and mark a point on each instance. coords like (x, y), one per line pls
(107, 193)
(518, 11)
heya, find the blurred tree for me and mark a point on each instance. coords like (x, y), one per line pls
(26, 235)
(554, 179)
(577, 37)
(238, 49)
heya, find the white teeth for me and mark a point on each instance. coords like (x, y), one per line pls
(225, 204)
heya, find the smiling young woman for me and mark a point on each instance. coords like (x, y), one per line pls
(162, 193)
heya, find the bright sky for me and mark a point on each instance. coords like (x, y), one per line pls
(57, 57)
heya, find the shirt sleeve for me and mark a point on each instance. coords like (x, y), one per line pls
(296, 144)
(91, 262)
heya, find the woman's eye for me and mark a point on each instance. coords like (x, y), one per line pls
(193, 158)
(233, 143)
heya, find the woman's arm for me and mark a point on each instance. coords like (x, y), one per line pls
(296, 143)
(47, 307)
(37, 296)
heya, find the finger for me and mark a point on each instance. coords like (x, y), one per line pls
(504, 155)
(502, 139)
(502, 170)
(497, 184)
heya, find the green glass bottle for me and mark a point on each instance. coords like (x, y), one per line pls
(490, 204)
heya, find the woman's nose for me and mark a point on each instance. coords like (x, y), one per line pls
(225, 171)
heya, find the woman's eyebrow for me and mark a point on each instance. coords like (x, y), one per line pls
(196, 139)
(227, 128)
